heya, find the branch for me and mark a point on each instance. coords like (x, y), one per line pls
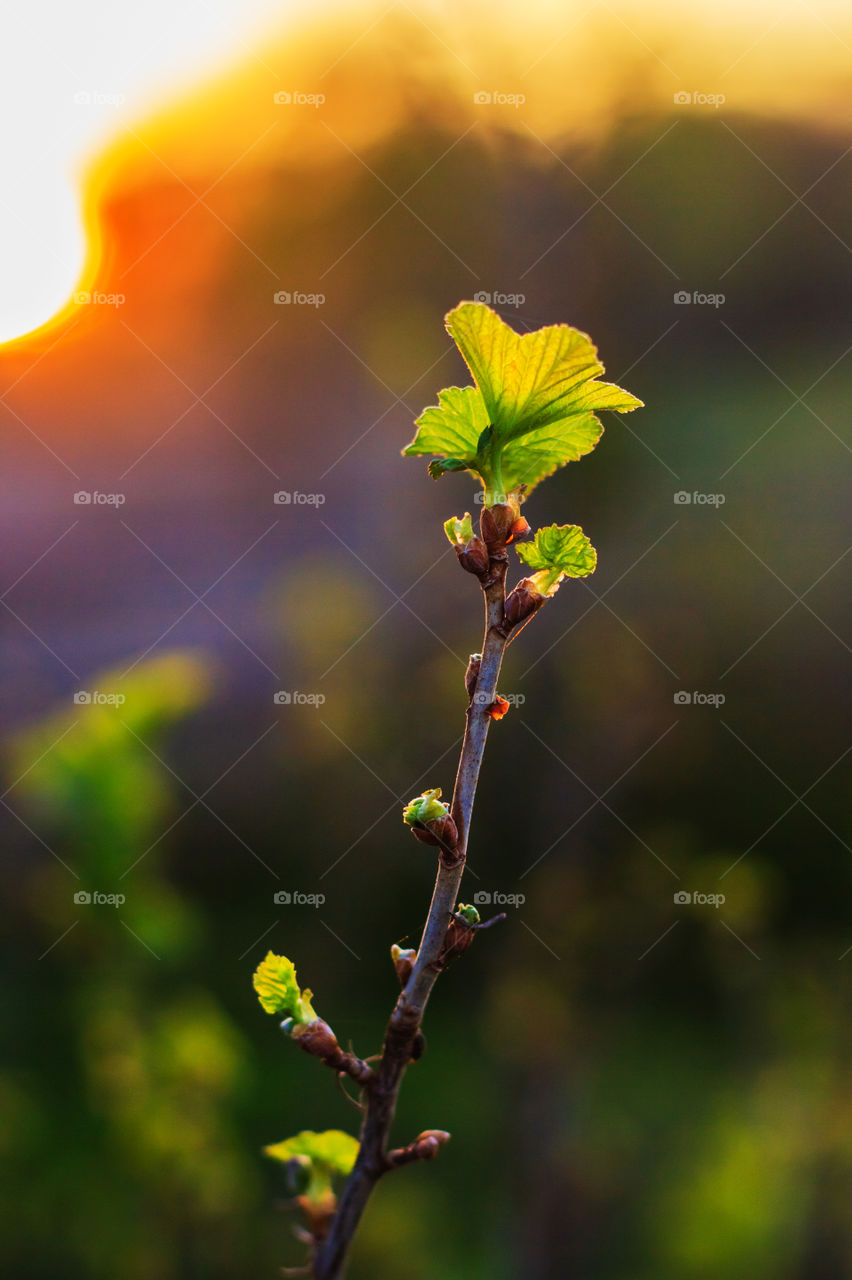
(381, 1092)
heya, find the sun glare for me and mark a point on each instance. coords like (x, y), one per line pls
(73, 76)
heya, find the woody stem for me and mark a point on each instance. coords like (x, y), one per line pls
(382, 1090)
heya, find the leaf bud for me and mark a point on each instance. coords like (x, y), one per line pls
(495, 523)
(472, 674)
(522, 602)
(403, 961)
(473, 557)
(429, 819)
(519, 530)
(318, 1039)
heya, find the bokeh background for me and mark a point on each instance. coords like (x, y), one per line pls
(636, 1086)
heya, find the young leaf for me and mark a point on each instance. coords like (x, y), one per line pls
(428, 807)
(333, 1149)
(560, 550)
(459, 529)
(278, 991)
(531, 410)
(327, 1154)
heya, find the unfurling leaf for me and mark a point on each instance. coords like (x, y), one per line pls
(428, 807)
(531, 411)
(278, 990)
(560, 550)
(324, 1154)
(459, 529)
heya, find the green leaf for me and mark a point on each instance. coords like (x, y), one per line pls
(334, 1150)
(459, 529)
(278, 991)
(330, 1153)
(531, 410)
(560, 550)
(428, 807)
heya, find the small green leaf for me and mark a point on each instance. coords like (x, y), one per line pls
(560, 546)
(468, 913)
(329, 1154)
(560, 550)
(459, 529)
(531, 410)
(278, 990)
(425, 808)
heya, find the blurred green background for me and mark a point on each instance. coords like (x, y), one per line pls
(636, 1087)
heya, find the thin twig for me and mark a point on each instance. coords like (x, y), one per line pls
(381, 1093)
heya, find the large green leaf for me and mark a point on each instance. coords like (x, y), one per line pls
(531, 410)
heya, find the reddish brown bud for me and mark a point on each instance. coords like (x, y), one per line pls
(403, 961)
(522, 602)
(441, 831)
(318, 1214)
(498, 708)
(318, 1039)
(519, 530)
(473, 556)
(425, 1147)
(496, 522)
